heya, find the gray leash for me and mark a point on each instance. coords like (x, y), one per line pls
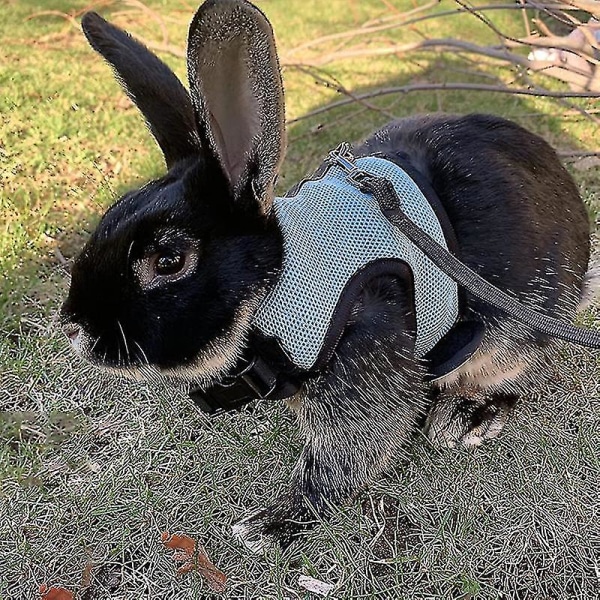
(385, 194)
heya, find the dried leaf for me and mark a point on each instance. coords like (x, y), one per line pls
(194, 558)
(179, 542)
(185, 547)
(55, 593)
(216, 579)
(315, 585)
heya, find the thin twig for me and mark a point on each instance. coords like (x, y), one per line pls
(420, 87)
(525, 19)
(157, 18)
(54, 13)
(591, 6)
(561, 71)
(365, 28)
(508, 41)
(165, 48)
(332, 123)
(577, 153)
(333, 83)
(403, 22)
(565, 102)
(430, 44)
(558, 43)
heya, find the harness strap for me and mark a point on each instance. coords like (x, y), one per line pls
(385, 194)
(268, 372)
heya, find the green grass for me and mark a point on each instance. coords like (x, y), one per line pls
(93, 469)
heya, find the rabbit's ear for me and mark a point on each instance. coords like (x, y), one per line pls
(154, 88)
(237, 93)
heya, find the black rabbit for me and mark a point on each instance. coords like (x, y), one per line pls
(171, 280)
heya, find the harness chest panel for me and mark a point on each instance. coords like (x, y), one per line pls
(331, 231)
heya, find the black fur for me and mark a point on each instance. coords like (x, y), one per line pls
(516, 212)
(239, 253)
(356, 418)
(518, 219)
(155, 89)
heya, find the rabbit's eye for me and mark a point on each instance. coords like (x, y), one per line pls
(169, 263)
(164, 266)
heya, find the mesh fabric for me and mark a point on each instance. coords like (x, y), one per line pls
(332, 230)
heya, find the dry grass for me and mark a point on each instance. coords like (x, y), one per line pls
(97, 468)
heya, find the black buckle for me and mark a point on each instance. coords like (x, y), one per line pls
(269, 374)
(255, 380)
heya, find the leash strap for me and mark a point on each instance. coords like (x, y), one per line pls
(383, 191)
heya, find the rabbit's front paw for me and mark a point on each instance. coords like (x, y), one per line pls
(252, 535)
(267, 529)
(468, 422)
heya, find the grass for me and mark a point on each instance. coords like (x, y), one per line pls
(93, 469)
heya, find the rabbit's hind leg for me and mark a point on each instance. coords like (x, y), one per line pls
(468, 420)
(473, 403)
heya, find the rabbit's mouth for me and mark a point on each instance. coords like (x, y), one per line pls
(115, 350)
(100, 353)
(84, 346)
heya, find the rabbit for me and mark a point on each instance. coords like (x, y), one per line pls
(170, 280)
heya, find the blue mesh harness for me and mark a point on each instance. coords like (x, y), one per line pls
(339, 228)
(332, 232)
